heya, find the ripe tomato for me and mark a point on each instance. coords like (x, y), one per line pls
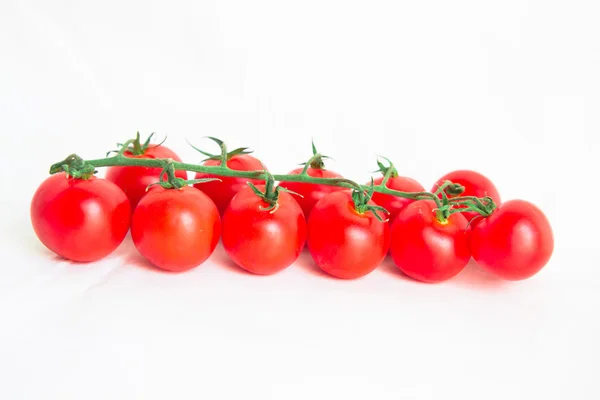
(343, 242)
(135, 180)
(80, 219)
(311, 193)
(426, 249)
(515, 242)
(176, 229)
(263, 241)
(395, 204)
(221, 192)
(475, 184)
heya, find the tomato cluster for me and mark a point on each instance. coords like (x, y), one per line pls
(264, 227)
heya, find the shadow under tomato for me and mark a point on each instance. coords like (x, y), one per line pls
(388, 267)
(472, 276)
(132, 257)
(306, 263)
(23, 234)
(220, 258)
(137, 260)
(476, 277)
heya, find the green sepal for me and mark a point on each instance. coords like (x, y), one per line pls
(178, 183)
(271, 193)
(316, 161)
(386, 170)
(224, 155)
(361, 202)
(74, 166)
(455, 189)
(134, 146)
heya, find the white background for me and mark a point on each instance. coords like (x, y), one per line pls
(507, 88)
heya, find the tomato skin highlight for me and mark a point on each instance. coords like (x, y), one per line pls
(81, 220)
(134, 180)
(344, 243)
(425, 249)
(176, 229)
(515, 242)
(475, 184)
(222, 192)
(311, 193)
(259, 241)
(395, 204)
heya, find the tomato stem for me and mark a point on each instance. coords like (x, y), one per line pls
(76, 167)
(387, 171)
(134, 146)
(442, 187)
(137, 147)
(271, 193)
(123, 161)
(361, 200)
(315, 162)
(223, 156)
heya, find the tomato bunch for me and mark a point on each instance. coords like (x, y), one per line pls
(348, 229)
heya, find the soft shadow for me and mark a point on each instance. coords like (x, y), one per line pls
(307, 264)
(136, 260)
(130, 256)
(22, 234)
(476, 277)
(388, 267)
(472, 276)
(220, 258)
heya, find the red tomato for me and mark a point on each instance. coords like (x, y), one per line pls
(135, 180)
(394, 204)
(311, 193)
(176, 229)
(426, 249)
(80, 219)
(475, 184)
(343, 242)
(260, 241)
(515, 242)
(221, 192)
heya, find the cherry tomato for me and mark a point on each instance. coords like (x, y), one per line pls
(135, 180)
(221, 192)
(261, 241)
(176, 229)
(515, 242)
(475, 184)
(311, 193)
(426, 249)
(395, 204)
(80, 219)
(343, 242)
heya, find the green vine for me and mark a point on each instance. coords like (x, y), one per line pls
(76, 167)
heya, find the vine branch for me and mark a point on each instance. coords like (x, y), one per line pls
(77, 167)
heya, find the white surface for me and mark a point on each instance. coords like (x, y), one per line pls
(509, 89)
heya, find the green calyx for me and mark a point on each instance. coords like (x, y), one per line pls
(271, 193)
(452, 202)
(316, 161)
(388, 171)
(443, 212)
(135, 146)
(484, 206)
(74, 166)
(450, 188)
(178, 183)
(173, 182)
(224, 156)
(361, 200)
